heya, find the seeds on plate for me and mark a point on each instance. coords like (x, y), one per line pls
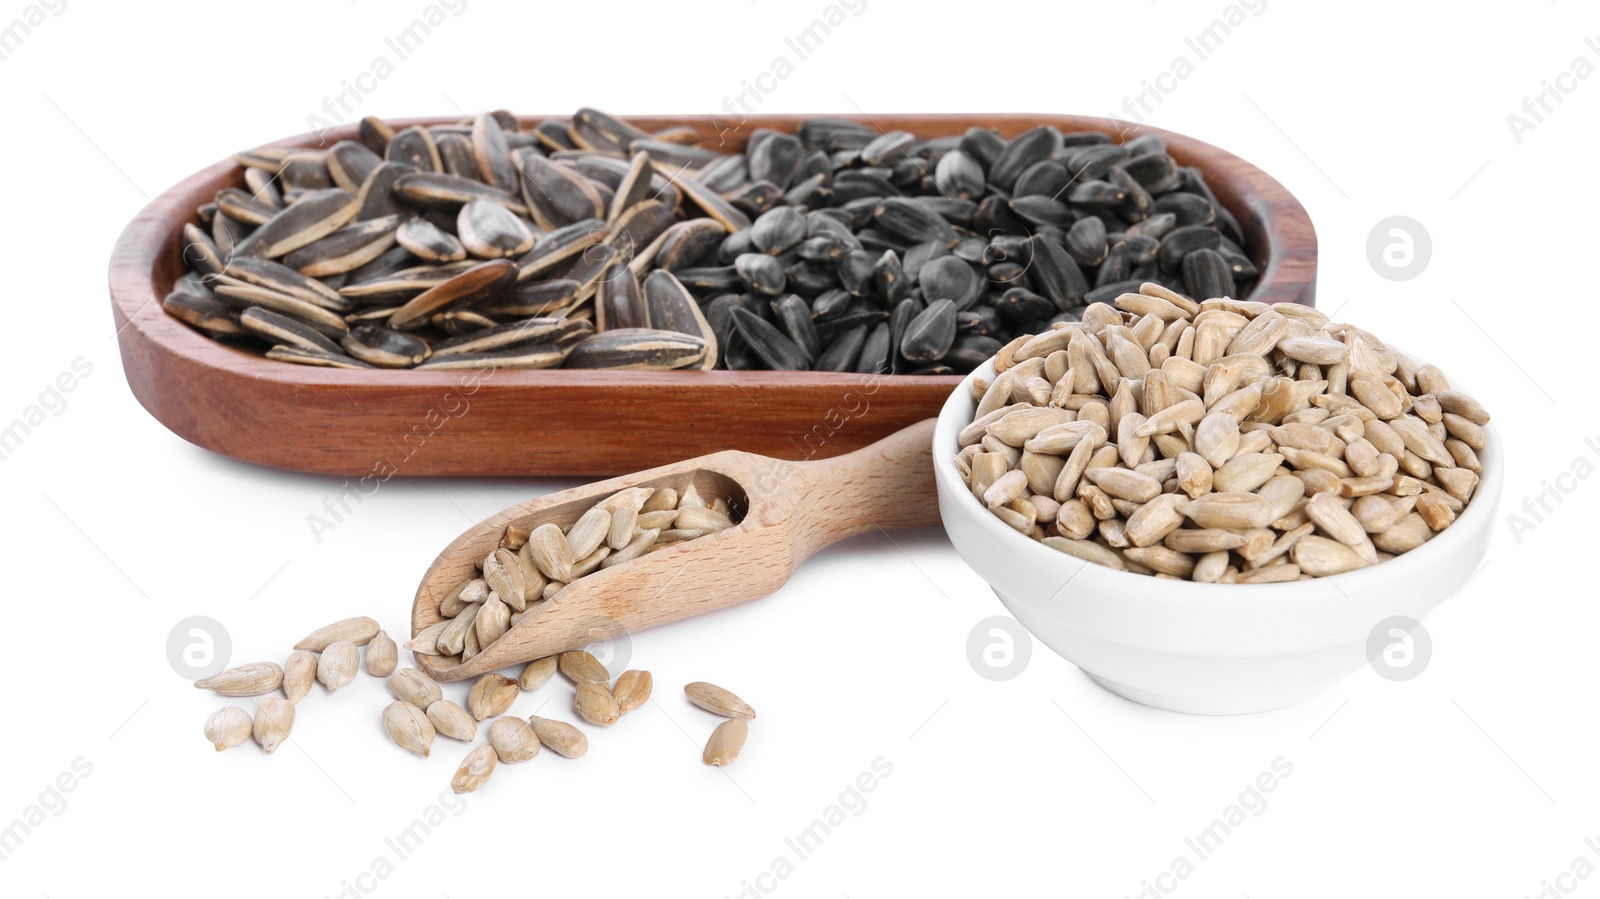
(1222, 441)
(835, 248)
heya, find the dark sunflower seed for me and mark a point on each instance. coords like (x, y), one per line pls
(559, 246)
(794, 316)
(930, 335)
(1207, 275)
(1027, 148)
(557, 195)
(435, 190)
(490, 152)
(528, 299)
(1054, 272)
(543, 329)
(281, 278)
(429, 243)
(761, 273)
(384, 347)
(633, 188)
(320, 358)
(596, 130)
(687, 243)
(876, 352)
(350, 164)
(779, 230)
(475, 285)
(489, 231)
(844, 352)
(311, 218)
(375, 134)
(619, 303)
(415, 147)
(533, 355)
(637, 349)
(346, 249)
(202, 310)
(767, 342)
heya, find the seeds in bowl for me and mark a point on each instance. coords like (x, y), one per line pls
(485, 243)
(1221, 441)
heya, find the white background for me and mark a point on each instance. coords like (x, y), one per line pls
(1475, 779)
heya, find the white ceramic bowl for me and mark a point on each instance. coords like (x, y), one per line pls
(1216, 649)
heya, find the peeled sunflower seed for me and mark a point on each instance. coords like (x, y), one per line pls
(595, 704)
(718, 701)
(228, 727)
(415, 687)
(244, 680)
(561, 737)
(337, 665)
(357, 631)
(274, 719)
(631, 690)
(452, 721)
(299, 673)
(475, 769)
(725, 742)
(580, 666)
(491, 695)
(513, 740)
(537, 673)
(409, 727)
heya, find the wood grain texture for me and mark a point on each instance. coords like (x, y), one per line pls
(790, 511)
(373, 425)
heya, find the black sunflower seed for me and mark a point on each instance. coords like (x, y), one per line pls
(779, 230)
(794, 317)
(876, 355)
(842, 354)
(959, 175)
(1206, 274)
(930, 335)
(761, 273)
(767, 342)
(1027, 148)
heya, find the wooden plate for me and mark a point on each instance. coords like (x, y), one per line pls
(375, 425)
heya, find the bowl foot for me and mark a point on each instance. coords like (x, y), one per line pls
(1204, 705)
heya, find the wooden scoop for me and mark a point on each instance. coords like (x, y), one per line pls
(790, 510)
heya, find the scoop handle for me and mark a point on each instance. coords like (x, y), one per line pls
(888, 484)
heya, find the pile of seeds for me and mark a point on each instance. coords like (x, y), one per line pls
(531, 567)
(420, 711)
(328, 655)
(588, 243)
(1222, 441)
